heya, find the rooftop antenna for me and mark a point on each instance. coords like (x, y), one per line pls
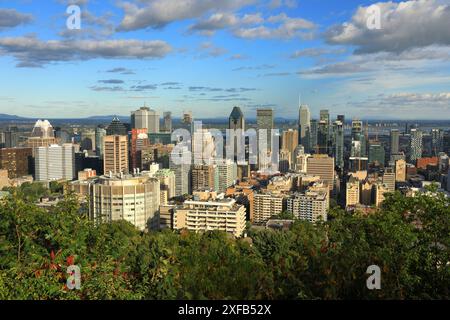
(299, 99)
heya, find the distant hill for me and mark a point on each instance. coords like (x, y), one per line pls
(5, 117)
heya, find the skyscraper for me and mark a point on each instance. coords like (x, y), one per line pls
(42, 129)
(17, 161)
(139, 140)
(55, 162)
(203, 177)
(115, 156)
(437, 141)
(416, 145)
(203, 147)
(167, 121)
(313, 132)
(167, 182)
(376, 153)
(389, 179)
(304, 123)
(41, 136)
(264, 120)
(187, 117)
(182, 172)
(325, 115)
(11, 137)
(289, 140)
(358, 139)
(134, 199)
(88, 140)
(322, 137)
(338, 143)
(145, 118)
(236, 119)
(116, 127)
(324, 132)
(100, 133)
(226, 173)
(400, 170)
(395, 141)
(322, 166)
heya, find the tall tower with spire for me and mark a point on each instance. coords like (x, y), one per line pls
(304, 124)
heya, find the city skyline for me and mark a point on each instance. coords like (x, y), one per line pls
(214, 55)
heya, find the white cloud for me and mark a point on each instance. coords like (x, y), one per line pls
(32, 52)
(215, 22)
(279, 26)
(10, 18)
(159, 13)
(404, 25)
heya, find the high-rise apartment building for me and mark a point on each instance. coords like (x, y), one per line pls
(267, 205)
(400, 170)
(380, 191)
(389, 179)
(145, 118)
(167, 181)
(311, 206)
(203, 177)
(352, 192)
(115, 158)
(213, 214)
(55, 162)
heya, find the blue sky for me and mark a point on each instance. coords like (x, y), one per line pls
(207, 56)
